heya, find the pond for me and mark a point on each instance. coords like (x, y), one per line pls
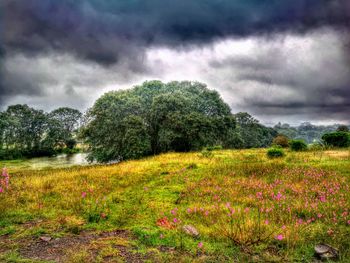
(59, 161)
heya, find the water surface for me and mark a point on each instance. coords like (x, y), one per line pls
(59, 161)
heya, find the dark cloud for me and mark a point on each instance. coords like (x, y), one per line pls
(105, 31)
(112, 37)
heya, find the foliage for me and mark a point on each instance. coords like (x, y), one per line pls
(298, 145)
(155, 118)
(27, 132)
(337, 139)
(343, 128)
(275, 152)
(306, 131)
(250, 133)
(281, 140)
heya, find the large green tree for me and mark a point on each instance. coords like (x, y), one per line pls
(156, 117)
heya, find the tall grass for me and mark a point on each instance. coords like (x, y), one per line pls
(240, 202)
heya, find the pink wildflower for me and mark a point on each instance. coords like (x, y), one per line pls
(279, 237)
(83, 194)
(200, 244)
(322, 198)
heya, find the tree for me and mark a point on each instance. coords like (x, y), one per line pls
(63, 123)
(26, 127)
(156, 117)
(281, 140)
(337, 139)
(27, 132)
(343, 128)
(252, 133)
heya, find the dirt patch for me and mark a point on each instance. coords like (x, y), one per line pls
(87, 245)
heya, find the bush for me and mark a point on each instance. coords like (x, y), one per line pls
(337, 139)
(281, 140)
(298, 145)
(214, 148)
(275, 153)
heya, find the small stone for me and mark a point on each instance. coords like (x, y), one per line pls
(45, 238)
(326, 252)
(190, 230)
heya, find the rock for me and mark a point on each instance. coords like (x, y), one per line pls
(190, 230)
(45, 238)
(326, 252)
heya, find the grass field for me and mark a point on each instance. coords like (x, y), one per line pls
(246, 208)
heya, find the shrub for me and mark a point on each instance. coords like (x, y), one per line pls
(281, 140)
(214, 148)
(275, 153)
(298, 145)
(337, 139)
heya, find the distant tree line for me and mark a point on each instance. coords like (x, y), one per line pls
(26, 132)
(149, 119)
(306, 131)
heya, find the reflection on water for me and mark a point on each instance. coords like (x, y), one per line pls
(59, 161)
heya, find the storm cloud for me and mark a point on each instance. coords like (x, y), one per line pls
(69, 52)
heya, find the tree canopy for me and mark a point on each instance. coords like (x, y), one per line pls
(27, 132)
(157, 117)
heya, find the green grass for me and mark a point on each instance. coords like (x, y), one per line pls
(240, 201)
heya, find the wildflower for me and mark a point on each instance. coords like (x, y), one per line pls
(266, 222)
(279, 237)
(175, 220)
(348, 222)
(164, 222)
(83, 194)
(284, 227)
(6, 180)
(103, 215)
(200, 244)
(322, 198)
(1, 190)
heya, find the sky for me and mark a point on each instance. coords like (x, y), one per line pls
(279, 60)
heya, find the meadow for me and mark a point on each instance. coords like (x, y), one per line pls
(244, 206)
